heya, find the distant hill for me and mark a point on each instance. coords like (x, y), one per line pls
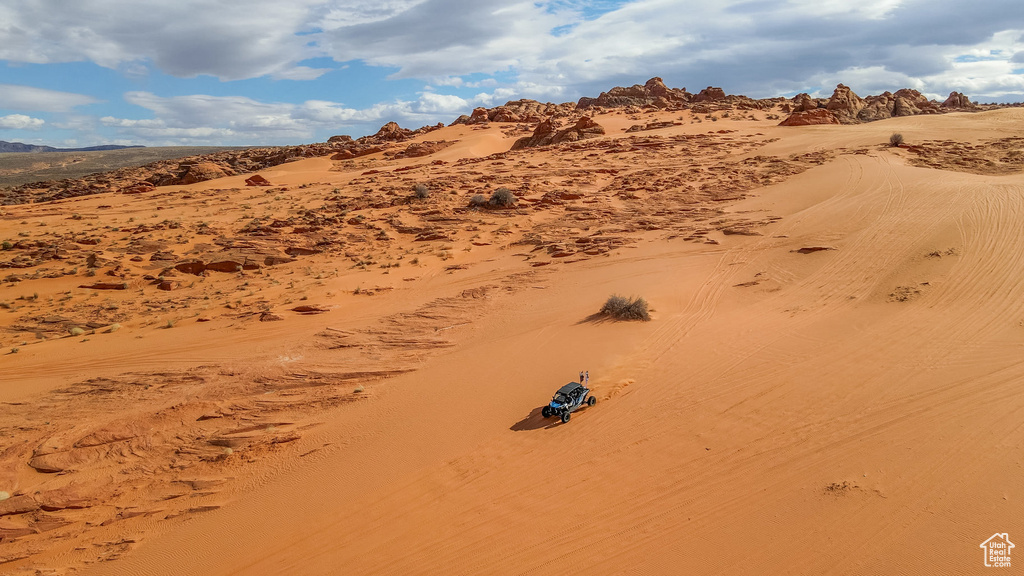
(19, 147)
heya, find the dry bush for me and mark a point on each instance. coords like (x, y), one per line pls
(503, 197)
(622, 308)
(896, 139)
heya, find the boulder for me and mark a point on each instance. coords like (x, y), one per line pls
(224, 266)
(275, 260)
(257, 180)
(194, 267)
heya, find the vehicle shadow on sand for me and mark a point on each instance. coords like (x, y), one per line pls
(534, 421)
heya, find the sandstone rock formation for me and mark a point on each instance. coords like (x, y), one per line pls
(958, 101)
(547, 133)
(652, 93)
(845, 104)
(848, 108)
(526, 111)
(804, 103)
(811, 118)
(905, 102)
(709, 94)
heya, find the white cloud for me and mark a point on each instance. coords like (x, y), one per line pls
(230, 40)
(30, 99)
(20, 122)
(751, 46)
(204, 119)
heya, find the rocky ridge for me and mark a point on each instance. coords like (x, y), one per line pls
(846, 107)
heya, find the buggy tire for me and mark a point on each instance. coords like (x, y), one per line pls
(591, 401)
(565, 417)
(546, 411)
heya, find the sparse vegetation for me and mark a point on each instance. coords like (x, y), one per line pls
(503, 197)
(76, 331)
(622, 308)
(7, 245)
(896, 139)
(421, 191)
(478, 201)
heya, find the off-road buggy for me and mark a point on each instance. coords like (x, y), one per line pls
(568, 399)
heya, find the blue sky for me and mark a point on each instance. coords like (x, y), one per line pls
(252, 72)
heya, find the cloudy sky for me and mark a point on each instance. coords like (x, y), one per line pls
(203, 72)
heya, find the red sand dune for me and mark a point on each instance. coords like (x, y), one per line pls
(789, 409)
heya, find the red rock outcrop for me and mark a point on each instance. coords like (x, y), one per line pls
(547, 133)
(811, 118)
(257, 180)
(709, 94)
(652, 93)
(526, 111)
(392, 132)
(845, 104)
(905, 102)
(804, 103)
(958, 101)
(848, 108)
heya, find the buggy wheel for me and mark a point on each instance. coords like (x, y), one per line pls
(591, 401)
(565, 417)
(546, 411)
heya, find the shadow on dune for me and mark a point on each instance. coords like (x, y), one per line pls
(596, 318)
(534, 421)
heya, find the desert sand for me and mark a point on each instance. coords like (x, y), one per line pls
(831, 382)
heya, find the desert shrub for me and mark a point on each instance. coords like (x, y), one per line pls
(503, 197)
(622, 308)
(76, 331)
(7, 245)
(896, 139)
(421, 191)
(477, 201)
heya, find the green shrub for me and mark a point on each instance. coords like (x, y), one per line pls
(7, 245)
(622, 308)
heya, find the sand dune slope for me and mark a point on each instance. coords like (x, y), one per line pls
(839, 392)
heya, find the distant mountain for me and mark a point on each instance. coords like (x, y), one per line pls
(19, 147)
